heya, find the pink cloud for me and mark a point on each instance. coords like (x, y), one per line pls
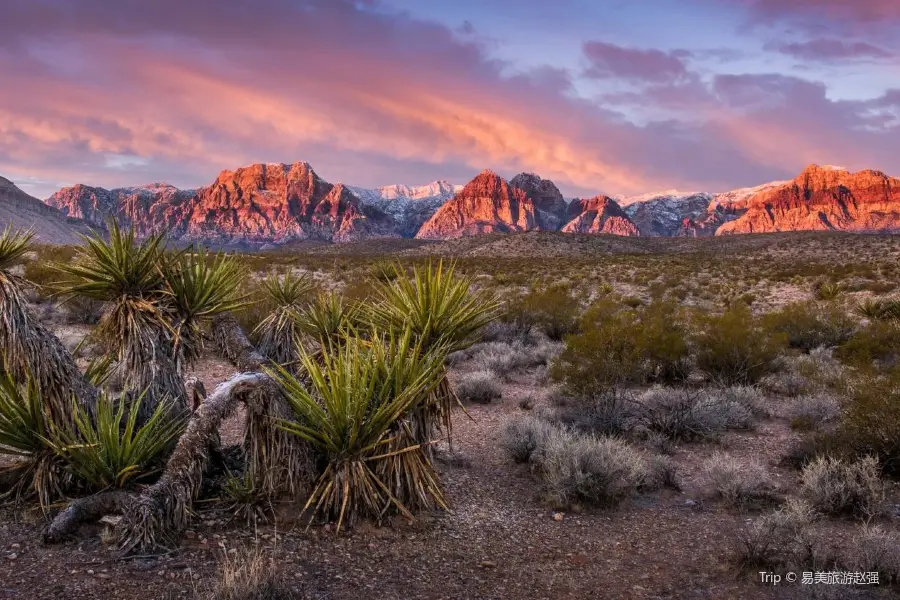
(369, 97)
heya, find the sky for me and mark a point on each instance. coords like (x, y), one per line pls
(605, 96)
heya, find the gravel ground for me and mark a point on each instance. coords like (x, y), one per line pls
(499, 541)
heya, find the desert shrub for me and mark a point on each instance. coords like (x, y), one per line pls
(622, 347)
(785, 383)
(875, 345)
(741, 485)
(83, 311)
(870, 421)
(836, 487)
(501, 331)
(610, 412)
(733, 348)
(874, 550)
(596, 471)
(812, 411)
(480, 387)
(807, 325)
(523, 435)
(553, 310)
(504, 359)
(785, 538)
(684, 414)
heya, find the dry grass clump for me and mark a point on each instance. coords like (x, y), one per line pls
(480, 387)
(811, 412)
(742, 485)
(874, 549)
(836, 487)
(596, 471)
(250, 575)
(785, 538)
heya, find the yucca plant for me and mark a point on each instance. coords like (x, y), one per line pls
(24, 430)
(13, 246)
(879, 309)
(328, 319)
(349, 413)
(278, 331)
(199, 286)
(439, 309)
(112, 449)
(129, 275)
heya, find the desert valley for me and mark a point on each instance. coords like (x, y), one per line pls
(658, 397)
(429, 300)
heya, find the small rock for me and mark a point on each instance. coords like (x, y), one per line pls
(690, 503)
(557, 516)
(12, 556)
(15, 546)
(90, 571)
(488, 564)
(190, 534)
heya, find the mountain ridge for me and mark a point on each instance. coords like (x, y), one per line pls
(274, 203)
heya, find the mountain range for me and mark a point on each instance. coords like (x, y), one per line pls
(264, 205)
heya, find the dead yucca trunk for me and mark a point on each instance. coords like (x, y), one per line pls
(30, 350)
(145, 359)
(163, 509)
(278, 461)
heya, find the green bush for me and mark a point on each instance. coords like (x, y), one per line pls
(870, 424)
(875, 345)
(623, 347)
(809, 326)
(554, 310)
(733, 348)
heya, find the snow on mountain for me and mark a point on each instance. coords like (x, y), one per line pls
(736, 198)
(661, 214)
(668, 195)
(409, 206)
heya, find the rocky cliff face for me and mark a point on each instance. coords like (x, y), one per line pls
(150, 208)
(21, 211)
(600, 214)
(487, 204)
(823, 198)
(549, 203)
(279, 203)
(258, 204)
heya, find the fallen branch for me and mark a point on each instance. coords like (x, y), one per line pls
(86, 509)
(163, 509)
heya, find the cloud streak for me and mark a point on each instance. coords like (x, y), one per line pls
(126, 92)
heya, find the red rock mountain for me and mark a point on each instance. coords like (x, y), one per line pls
(549, 203)
(259, 204)
(823, 198)
(487, 204)
(600, 214)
